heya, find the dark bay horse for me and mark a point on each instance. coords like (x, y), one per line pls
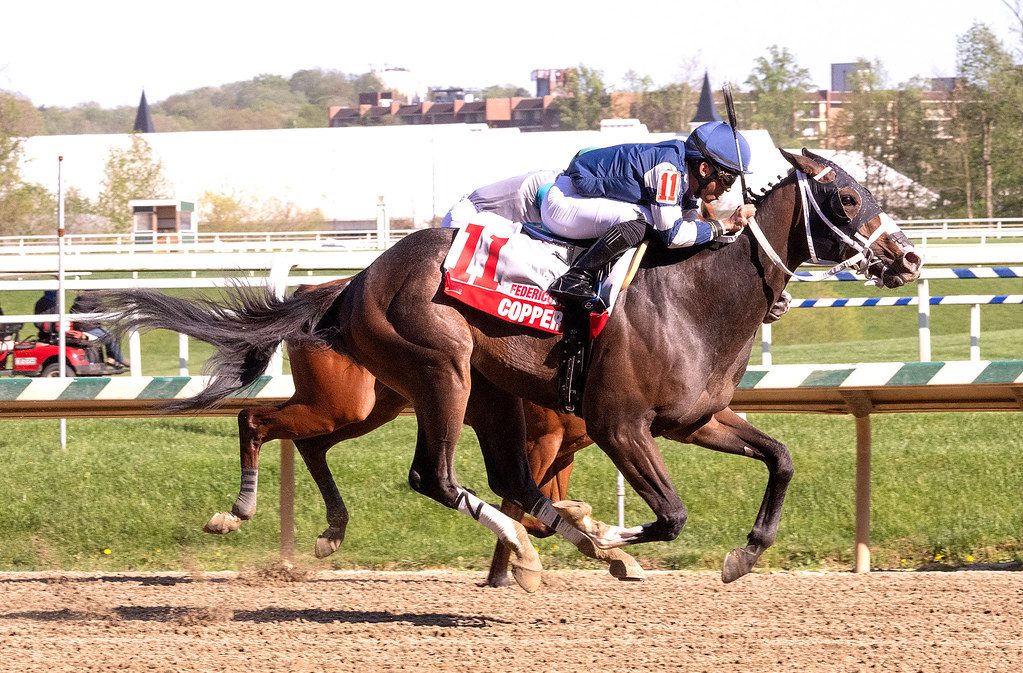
(666, 364)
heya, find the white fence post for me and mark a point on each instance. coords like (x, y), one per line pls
(924, 319)
(620, 492)
(135, 352)
(975, 332)
(277, 280)
(182, 355)
(765, 345)
(383, 225)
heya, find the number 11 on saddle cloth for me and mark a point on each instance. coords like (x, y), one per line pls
(494, 266)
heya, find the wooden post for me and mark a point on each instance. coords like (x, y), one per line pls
(860, 406)
(862, 494)
(287, 499)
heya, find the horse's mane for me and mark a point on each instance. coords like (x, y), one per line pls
(758, 199)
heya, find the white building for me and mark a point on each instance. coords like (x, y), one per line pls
(418, 170)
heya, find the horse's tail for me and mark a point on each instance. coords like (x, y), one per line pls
(245, 327)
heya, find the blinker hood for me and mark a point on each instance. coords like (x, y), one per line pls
(827, 246)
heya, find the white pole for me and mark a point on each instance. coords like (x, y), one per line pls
(621, 500)
(287, 499)
(765, 345)
(381, 223)
(182, 355)
(62, 343)
(277, 281)
(975, 332)
(924, 319)
(135, 353)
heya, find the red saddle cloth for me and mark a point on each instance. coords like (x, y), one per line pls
(495, 268)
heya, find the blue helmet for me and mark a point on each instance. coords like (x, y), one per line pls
(715, 143)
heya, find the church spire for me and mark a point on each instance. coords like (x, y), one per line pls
(705, 110)
(143, 119)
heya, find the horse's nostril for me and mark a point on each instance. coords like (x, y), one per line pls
(912, 261)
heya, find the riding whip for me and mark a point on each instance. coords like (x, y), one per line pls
(730, 106)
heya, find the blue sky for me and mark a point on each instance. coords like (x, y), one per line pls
(64, 53)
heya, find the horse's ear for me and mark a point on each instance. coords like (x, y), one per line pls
(803, 162)
(816, 157)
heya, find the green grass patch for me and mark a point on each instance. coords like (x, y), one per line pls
(945, 486)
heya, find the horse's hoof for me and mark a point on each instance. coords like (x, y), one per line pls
(328, 542)
(626, 569)
(737, 563)
(527, 578)
(222, 523)
(526, 565)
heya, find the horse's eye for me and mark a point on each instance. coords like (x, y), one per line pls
(848, 200)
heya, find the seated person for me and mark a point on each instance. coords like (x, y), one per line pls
(46, 304)
(88, 302)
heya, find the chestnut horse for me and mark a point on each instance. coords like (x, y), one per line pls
(667, 362)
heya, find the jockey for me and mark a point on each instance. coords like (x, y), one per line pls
(614, 193)
(514, 199)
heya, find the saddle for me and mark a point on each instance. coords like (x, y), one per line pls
(504, 268)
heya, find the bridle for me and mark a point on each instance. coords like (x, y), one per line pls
(865, 261)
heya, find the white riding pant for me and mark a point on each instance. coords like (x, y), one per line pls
(462, 211)
(565, 213)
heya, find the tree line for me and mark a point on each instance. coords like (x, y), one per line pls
(961, 146)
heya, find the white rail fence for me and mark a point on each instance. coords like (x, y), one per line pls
(924, 231)
(923, 301)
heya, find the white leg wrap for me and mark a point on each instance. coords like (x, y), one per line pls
(246, 502)
(545, 512)
(488, 515)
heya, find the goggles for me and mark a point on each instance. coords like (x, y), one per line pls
(727, 178)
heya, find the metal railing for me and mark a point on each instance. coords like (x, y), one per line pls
(924, 231)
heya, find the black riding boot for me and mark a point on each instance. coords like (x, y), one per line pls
(578, 286)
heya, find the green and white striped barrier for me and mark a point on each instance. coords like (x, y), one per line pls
(125, 396)
(878, 387)
(884, 374)
(152, 388)
(882, 386)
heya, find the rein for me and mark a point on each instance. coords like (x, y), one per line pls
(864, 258)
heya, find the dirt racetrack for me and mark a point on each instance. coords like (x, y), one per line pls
(279, 620)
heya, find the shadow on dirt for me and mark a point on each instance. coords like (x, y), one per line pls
(144, 580)
(200, 616)
(1008, 566)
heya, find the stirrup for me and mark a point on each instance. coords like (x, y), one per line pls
(575, 288)
(591, 303)
(595, 304)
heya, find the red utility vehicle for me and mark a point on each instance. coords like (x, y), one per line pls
(40, 355)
